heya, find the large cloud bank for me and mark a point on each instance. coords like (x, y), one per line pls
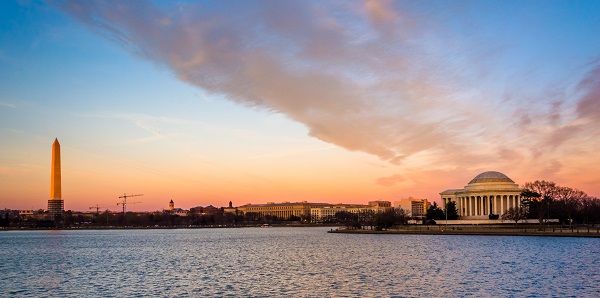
(415, 86)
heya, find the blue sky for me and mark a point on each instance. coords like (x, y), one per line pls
(254, 101)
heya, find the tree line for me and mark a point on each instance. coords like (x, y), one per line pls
(370, 219)
(544, 200)
(71, 219)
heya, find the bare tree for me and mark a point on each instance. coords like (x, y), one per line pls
(514, 214)
(570, 200)
(546, 191)
(590, 209)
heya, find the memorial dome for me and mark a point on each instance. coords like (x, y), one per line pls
(487, 196)
(491, 176)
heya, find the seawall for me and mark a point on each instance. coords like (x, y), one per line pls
(592, 232)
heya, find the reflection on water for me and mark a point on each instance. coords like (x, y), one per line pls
(293, 262)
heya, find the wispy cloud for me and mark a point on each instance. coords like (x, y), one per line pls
(292, 152)
(7, 105)
(349, 86)
(589, 103)
(153, 123)
(148, 123)
(391, 180)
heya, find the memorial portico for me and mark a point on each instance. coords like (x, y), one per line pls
(488, 193)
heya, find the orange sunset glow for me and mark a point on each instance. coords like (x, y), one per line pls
(202, 103)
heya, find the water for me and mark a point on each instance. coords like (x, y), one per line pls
(298, 262)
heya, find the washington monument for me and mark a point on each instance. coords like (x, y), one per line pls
(55, 203)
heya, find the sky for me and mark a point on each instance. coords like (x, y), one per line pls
(206, 102)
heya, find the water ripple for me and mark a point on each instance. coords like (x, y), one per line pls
(299, 262)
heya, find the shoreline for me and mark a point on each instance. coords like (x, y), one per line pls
(163, 227)
(593, 232)
(480, 231)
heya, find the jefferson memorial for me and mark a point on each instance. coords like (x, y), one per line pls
(488, 193)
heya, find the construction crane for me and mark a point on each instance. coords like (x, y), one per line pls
(97, 207)
(124, 203)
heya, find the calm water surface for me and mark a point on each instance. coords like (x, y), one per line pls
(298, 262)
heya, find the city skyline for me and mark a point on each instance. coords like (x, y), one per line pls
(253, 102)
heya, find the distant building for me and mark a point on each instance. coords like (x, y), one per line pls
(419, 208)
(325, 213)
(177, 211)
(26, 212)
(180, 212)
(380, 206)
(283, 210)
(210, 209)
(488, 193)
(230, 209)
(413, 206)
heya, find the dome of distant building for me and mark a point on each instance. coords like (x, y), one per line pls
(489, 193)
(491, 176)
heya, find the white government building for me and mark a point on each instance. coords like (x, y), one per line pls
(488, 193)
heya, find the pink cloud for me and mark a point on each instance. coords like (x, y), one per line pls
(375, 79)
(589, 104)
(390, 180)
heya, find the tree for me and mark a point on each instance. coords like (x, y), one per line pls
(514, 214)
(104, 218)
(435, 213)
(229, 218)
(68, 219)
(378, 221)
(401, 216)
(5, 221)
(590, 210)
(347, 218)
(252, 216)
(568, 199)
(305, 218)
(528, 201)
(366, 218)
(529, 195)
(451, 210)
(546, 191)
(384, 220)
